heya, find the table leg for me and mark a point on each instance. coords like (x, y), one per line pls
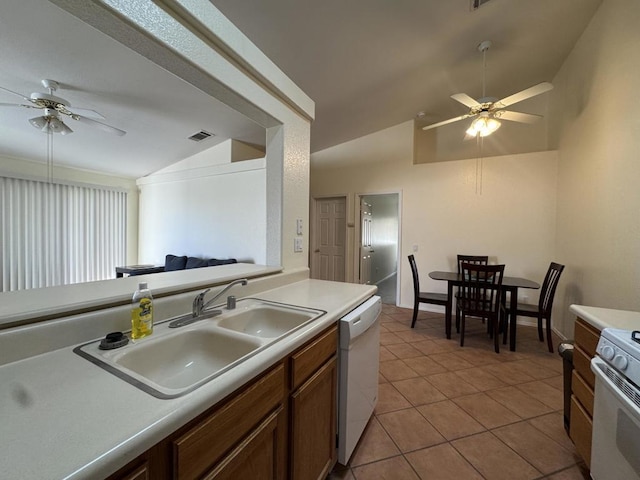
(513, 307)
(447, 310)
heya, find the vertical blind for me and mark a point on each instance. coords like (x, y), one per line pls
(56, 234)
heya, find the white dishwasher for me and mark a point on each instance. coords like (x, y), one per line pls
(358, 373)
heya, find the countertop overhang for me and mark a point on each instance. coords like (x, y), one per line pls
(607, 318)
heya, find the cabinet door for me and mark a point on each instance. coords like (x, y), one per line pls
(258, 457)
(313, 425)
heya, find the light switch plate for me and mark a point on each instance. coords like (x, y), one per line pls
(299, 226)
(297, 244)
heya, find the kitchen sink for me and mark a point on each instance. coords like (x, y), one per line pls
(175, 361)
(266, 320)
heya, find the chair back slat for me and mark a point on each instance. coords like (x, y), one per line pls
(414, 273)
(473, 259)
(548, 291)
(480, 292)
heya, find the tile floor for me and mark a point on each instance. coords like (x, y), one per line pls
(451, 412)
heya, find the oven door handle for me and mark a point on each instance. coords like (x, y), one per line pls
(597, 366)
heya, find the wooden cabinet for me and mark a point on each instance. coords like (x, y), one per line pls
(313, 409)
(279, 426)
(582, 386)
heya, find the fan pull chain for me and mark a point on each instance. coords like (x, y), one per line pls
(50, 156)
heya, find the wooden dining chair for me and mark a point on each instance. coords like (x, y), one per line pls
(424, 297)
(542, 311)
(479, 296)
(475, 260)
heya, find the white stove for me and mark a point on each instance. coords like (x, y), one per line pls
(615, 449)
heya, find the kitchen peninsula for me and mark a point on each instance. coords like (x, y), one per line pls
(64, 417)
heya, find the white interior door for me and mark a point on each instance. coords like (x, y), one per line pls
(329, 256)
(366, 248)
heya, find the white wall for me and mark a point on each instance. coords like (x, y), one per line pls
(443, 212)
(205, 207)
(597, 105)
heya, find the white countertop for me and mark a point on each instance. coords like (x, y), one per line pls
(63, 417)
(607, 318)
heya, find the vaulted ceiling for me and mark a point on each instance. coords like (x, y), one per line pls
(368, 65)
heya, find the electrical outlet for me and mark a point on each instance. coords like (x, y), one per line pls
(415, 248)
(297, 244)
(299, 226)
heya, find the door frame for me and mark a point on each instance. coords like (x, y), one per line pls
(313, 239)
(355, 245)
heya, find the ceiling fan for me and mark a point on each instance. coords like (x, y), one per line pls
(487, 111)
(53, 107)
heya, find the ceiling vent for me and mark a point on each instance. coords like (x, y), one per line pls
(201, 135)
(476, 4)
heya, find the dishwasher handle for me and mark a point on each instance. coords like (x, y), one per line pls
(359, 321)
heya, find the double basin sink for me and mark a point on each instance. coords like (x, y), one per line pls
(175, 361)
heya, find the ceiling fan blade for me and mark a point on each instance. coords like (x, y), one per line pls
(465, 99)
(517, 116)
(523, 95)
(445, 122)
(86, 112)
(15, 93)
(16, 105)
(100, 125)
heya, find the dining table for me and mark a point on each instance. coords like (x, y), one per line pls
(509, 284)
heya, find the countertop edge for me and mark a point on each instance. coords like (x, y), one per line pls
(601, 318)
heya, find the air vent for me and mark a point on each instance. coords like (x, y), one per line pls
(201, 135)
(476, 4)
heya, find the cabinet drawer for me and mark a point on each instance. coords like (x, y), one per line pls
(580, 431)
(586, 337)
(311, 357)
(582, 365)
(583, 392)
(202, 446)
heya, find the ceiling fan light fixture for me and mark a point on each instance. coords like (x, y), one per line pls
(484, 125)
(39, 122)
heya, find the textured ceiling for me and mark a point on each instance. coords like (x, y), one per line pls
(368, 65)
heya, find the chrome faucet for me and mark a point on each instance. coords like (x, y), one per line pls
(199, 305)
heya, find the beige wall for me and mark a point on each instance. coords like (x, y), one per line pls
(597, 109)
(512, 219)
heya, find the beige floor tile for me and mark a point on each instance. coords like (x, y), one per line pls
(451, 360)
(545, 393)
(548, 360)
(410, 430)
(555, 382)
(424, 365)
(418, 335)
(341, 473)
(451, 384)
(519, 402)
(404, 350)
(395, 468)
(375, 444)
(442, 462)
(577, 472)
(552, 425)
(390, 399)
(535, 447)
(429, 347)
(486, 410)
(480, 379)
(389, 338)
(533, 369)
(479, 357)
(418, 391)
(450, 420)
(493, 459)
(397, 326)
(381, 379)
(386, 355)
(507, 373)
(394, 370)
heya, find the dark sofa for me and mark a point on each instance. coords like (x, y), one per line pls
(174, 262)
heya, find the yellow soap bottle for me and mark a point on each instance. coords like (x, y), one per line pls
(141, 312)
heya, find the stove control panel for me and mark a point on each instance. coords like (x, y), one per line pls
(617, 353)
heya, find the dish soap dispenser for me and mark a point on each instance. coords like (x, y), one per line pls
(141, 312)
